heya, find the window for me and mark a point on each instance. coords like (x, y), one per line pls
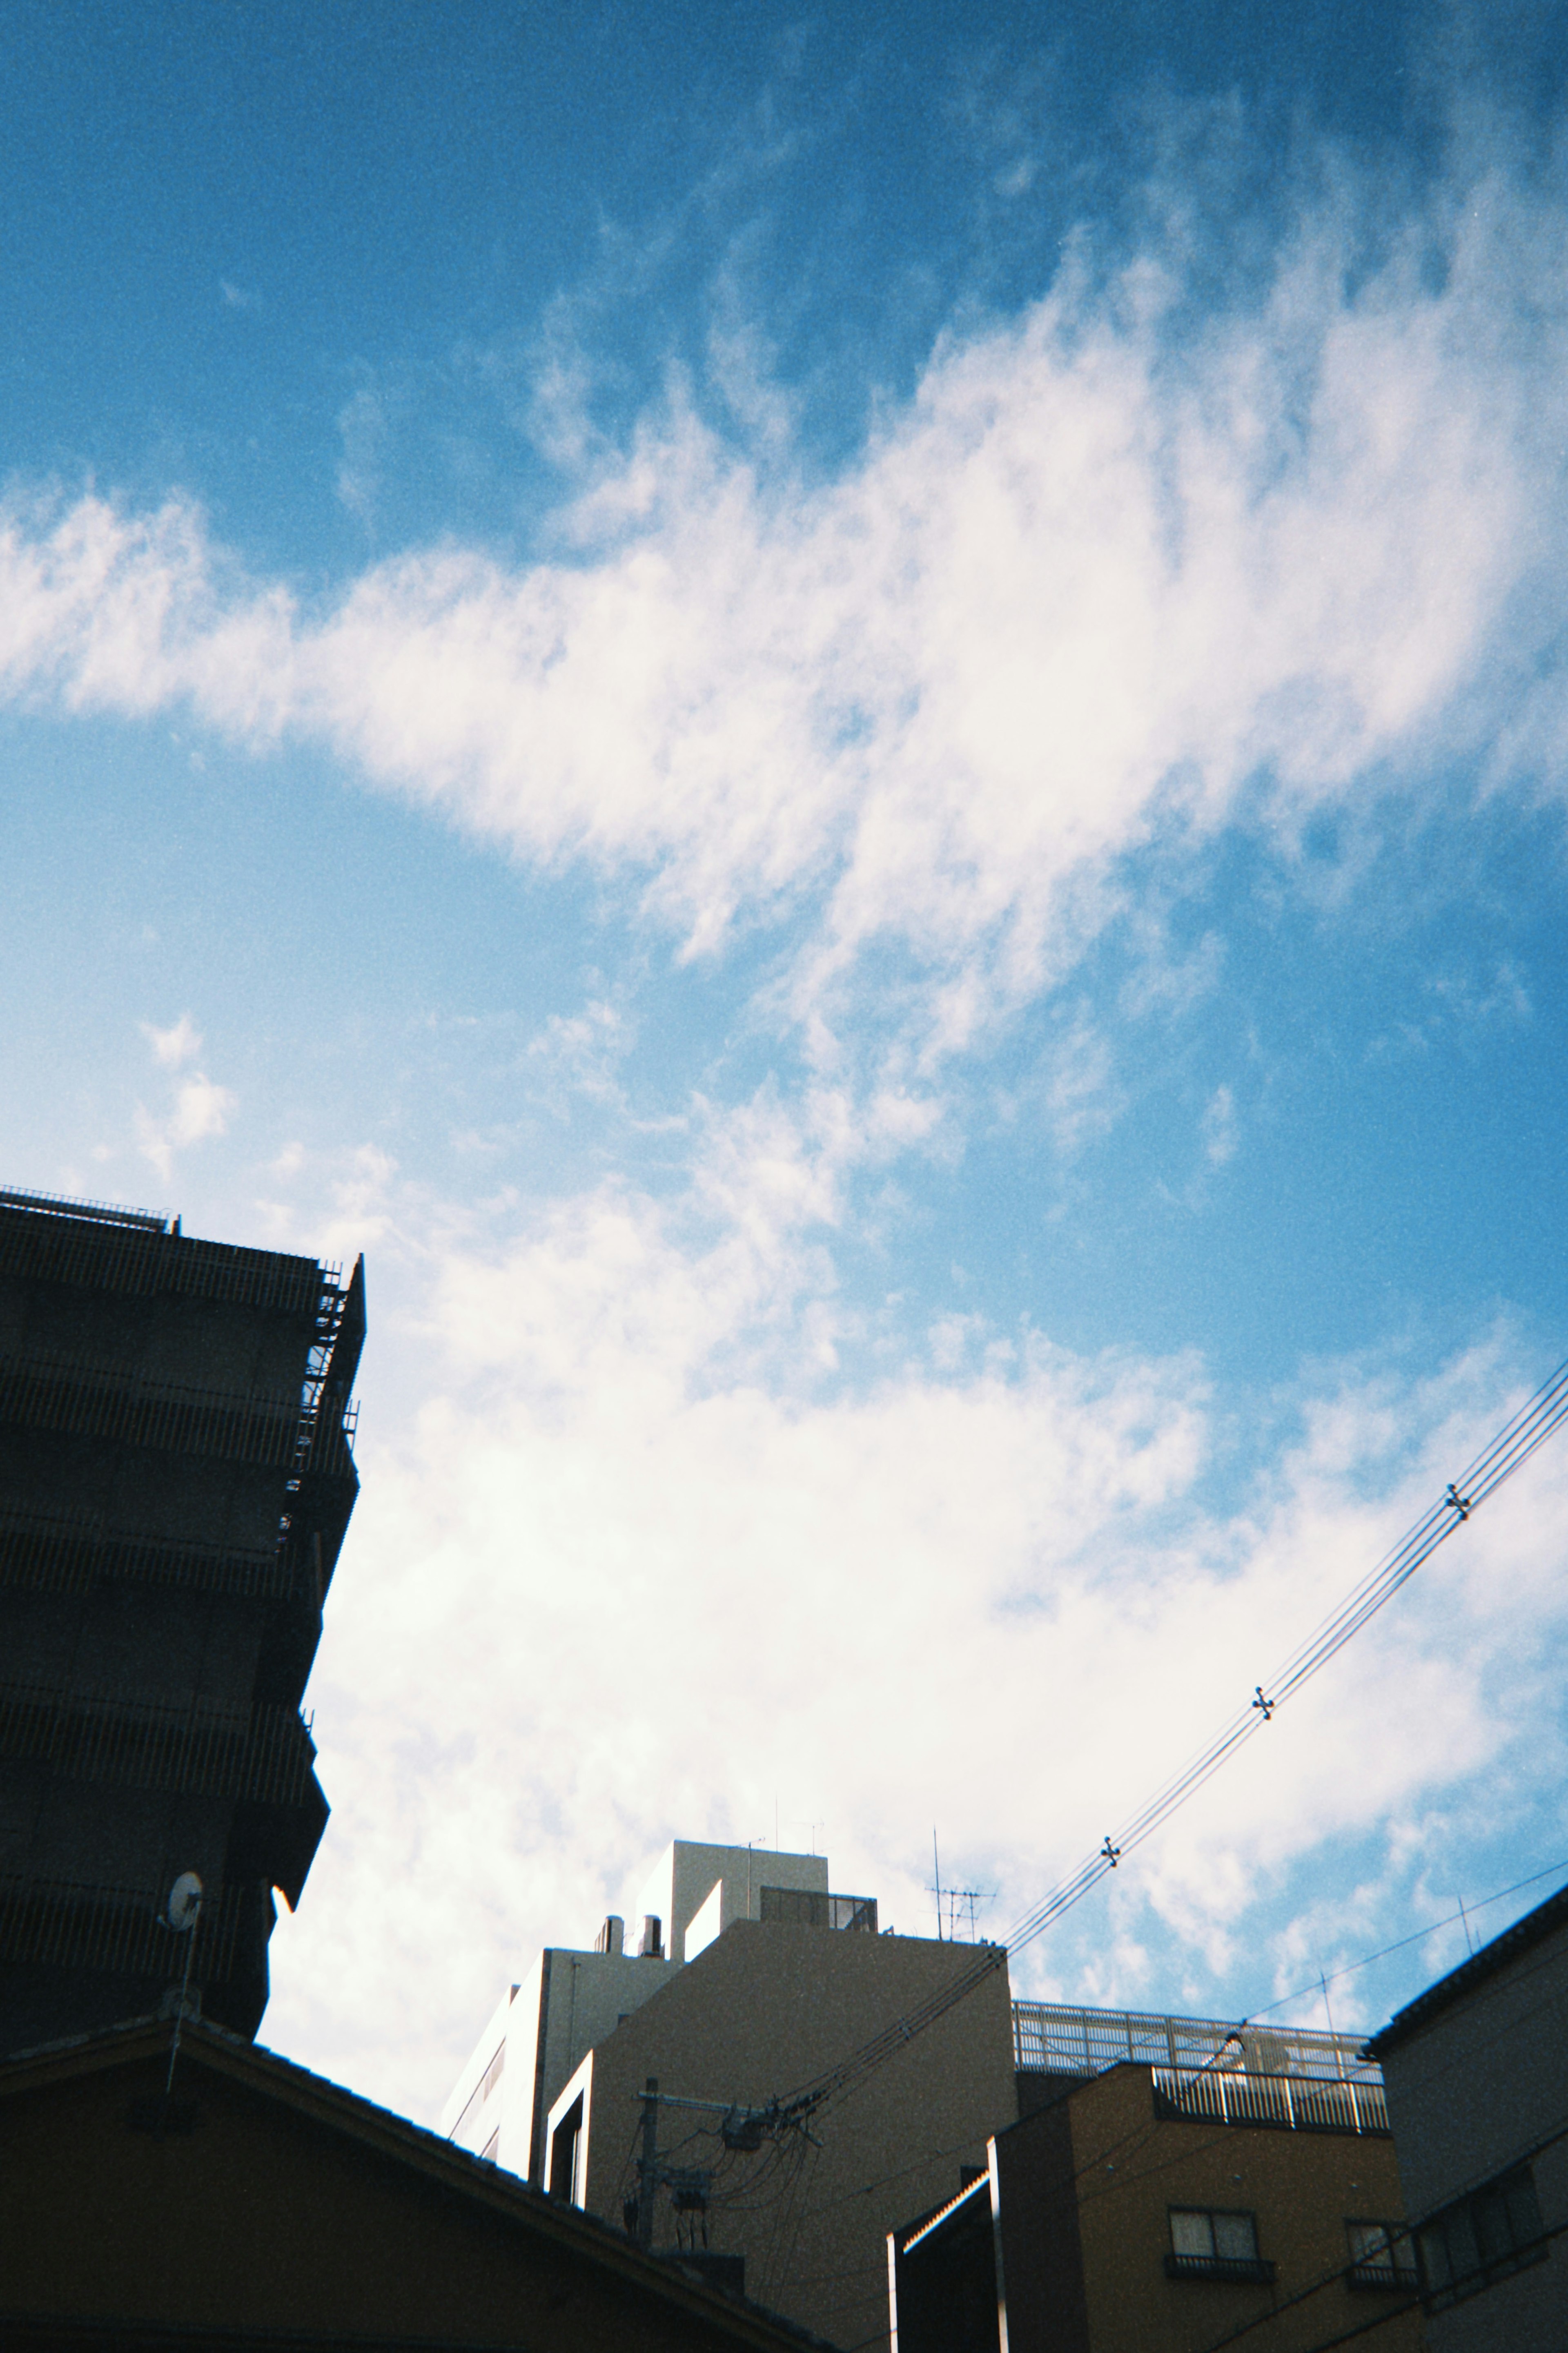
(1481, 2238)
(488, 2153)
(1380, 2255)
(1212, 2245)
(565, 2150)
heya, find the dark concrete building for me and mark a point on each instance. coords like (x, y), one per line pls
(1477, 2069)
(176, 1481)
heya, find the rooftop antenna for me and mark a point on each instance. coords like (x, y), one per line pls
(183, 1912)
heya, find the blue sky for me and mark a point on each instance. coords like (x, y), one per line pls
(851, 729)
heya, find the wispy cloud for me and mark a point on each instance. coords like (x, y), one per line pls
(1105, 579)
(362, 432)
(1219, 1127)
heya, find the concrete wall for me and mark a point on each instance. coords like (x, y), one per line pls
(762, 2012)
(684, 1877)
(539, 2029)
(1469, 2095)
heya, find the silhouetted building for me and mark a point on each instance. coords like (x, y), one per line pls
(257, 2207)
(1478, 2093)
(176, 1481)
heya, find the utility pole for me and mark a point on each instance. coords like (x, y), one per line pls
(648, 2163)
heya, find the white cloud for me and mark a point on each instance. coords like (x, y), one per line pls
(200, 1109)
(631, 1570)
(181, 1043)
(1085, 589)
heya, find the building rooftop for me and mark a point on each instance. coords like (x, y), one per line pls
(1532, 1929)
(1059, 2039)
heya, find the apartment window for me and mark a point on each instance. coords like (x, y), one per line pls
(1481, 2239)
(1211, 2244)
(493, 2074)
(1382, 2256)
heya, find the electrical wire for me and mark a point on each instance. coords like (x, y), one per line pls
(1528, 1429)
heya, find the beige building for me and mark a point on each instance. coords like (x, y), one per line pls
(575, 1995)
(765, 2008)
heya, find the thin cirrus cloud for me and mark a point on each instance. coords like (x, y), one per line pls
(1104, 575)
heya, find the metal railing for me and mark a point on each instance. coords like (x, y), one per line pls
(1062, 2038)
(102, 1213)
(1290, 2103)
(44, 1241)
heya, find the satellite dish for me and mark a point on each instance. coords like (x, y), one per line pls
(184, 1903)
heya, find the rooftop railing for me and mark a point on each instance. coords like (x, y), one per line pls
(1061, 2038)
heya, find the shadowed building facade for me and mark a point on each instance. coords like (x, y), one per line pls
(175, 1481)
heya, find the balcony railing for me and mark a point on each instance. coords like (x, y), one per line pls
(1239, 2269)
(1290, 2103)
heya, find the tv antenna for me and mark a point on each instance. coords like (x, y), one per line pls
(956, 1900)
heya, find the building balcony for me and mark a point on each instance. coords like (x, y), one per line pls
(1284, 2103)
(1243, 2270)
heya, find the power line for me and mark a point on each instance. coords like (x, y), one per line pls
(1512, 1447)
(1416, 1936)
